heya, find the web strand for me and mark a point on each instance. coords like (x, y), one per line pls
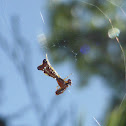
(118, 7)
(117, 39)
(42, 18)
(96, 121)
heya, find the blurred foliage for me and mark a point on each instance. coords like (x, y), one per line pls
(2, 122)
(117, 116)
(79, 32)
(19, 52)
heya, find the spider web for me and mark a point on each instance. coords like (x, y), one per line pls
(106, 16)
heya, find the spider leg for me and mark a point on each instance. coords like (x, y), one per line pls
(60, 91)
(67, 77)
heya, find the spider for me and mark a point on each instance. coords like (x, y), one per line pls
(49, 70)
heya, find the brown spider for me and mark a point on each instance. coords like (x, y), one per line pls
(49, 70)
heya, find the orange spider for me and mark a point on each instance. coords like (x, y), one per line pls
(49, 70)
